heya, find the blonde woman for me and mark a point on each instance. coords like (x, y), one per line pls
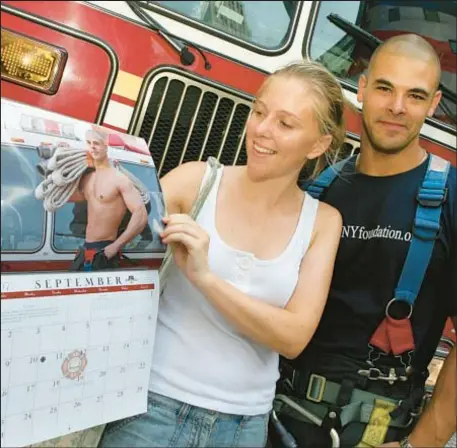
(251, 274)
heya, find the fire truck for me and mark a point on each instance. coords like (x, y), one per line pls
(182, 74)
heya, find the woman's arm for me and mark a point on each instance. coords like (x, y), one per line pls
(180, 186)
(287, 330)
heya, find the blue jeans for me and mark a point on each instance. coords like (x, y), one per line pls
(171, 423)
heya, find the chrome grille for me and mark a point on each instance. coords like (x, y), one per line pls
(184, 119)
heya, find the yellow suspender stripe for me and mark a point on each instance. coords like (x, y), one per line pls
(376, 429)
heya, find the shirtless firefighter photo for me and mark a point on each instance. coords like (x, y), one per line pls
(110, 191)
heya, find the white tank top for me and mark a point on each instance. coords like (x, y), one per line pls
(199, 357)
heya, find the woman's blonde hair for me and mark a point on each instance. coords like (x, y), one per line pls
(329, 104)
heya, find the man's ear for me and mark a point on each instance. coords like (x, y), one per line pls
(435, 101)
(320, 146)
(361, 87)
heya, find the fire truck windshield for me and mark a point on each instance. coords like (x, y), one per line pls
(261, 23)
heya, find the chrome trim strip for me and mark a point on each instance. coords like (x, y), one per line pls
(83, 36)
(208, 131)
(191, 129)
(165, 91)
(173, 126)
(227, 129)
(240, 145)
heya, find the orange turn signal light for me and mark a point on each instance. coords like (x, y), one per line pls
(31, 63)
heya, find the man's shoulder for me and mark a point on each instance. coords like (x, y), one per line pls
(451, 186)
(452, 176)
(121, 179)
(86, 176)
(343, 169)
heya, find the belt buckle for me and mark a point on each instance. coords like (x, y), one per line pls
(314, 380)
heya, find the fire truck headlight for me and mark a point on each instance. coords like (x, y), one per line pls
(31, 63)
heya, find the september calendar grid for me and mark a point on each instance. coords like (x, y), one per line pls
(75, 356)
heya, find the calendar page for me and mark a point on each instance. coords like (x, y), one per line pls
(76, 350)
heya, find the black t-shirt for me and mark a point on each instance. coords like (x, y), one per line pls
(378, 213)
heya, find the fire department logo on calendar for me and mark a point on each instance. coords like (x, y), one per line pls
(131, 279)
(74, 364)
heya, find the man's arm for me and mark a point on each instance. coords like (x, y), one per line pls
(138, 220)
(438, 422)
(77, 196)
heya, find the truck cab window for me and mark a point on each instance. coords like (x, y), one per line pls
(23, 218)
(262, 23)
(347, 56)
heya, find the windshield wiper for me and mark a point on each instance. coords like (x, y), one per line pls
(179, 44)
(373, 42)
(290, 7)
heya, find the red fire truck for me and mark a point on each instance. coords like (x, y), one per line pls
(181, 75)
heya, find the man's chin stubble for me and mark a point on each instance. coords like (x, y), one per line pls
(387, 151)
(383, 149)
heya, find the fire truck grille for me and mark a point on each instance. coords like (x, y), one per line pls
(185, 119)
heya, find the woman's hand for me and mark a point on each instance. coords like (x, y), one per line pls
(189, 245)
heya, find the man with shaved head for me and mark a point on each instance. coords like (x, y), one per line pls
(109, 195)
(360, 374)
(398, 92)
